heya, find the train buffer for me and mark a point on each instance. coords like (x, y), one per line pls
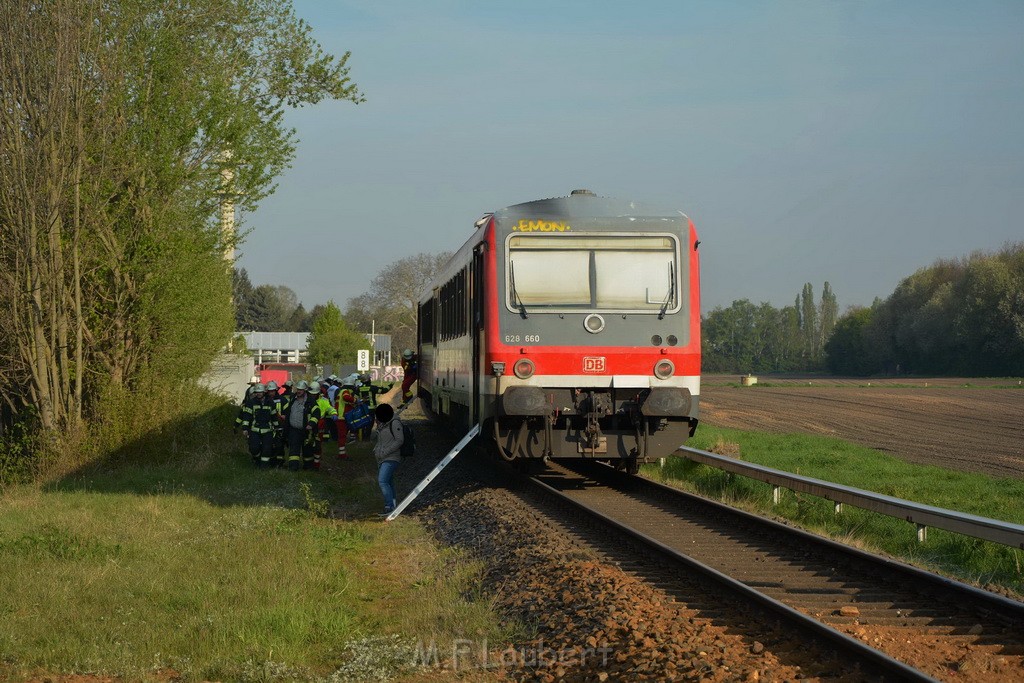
(434, 472)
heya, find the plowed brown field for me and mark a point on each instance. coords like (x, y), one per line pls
(961, 424)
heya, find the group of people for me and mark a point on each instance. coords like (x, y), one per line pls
(287, 426)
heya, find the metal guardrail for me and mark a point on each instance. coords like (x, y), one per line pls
(923, 516)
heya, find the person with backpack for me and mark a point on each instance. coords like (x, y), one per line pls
(387, 451)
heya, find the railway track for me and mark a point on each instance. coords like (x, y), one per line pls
(893, 618)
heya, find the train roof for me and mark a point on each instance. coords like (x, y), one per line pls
(583, 205)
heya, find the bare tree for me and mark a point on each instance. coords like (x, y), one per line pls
(44, 103)
(393, 299)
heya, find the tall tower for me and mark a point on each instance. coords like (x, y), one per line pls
(227, 206)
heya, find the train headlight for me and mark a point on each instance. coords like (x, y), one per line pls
(593, 323)
(664, 369)
(523, 368)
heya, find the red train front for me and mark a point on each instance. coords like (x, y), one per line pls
(569, 328)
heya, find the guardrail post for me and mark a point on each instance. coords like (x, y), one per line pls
(922, 533)
(776, 495)
(838, 508)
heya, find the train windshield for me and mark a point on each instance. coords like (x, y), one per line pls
(636, 273)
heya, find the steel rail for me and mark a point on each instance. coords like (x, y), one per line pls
(845, 643)
(1013, 608)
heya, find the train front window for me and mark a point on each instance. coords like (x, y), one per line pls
(636, 273)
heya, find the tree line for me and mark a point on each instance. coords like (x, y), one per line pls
(124, 125)
(388, 307)
(751, 338)
(956, 317)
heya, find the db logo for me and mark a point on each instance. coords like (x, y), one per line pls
(593, 364)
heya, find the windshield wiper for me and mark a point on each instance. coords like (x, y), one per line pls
(515, 295)
(671, 290)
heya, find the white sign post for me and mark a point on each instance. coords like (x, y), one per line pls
(363, 360)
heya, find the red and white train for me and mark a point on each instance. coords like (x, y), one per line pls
(568, 328)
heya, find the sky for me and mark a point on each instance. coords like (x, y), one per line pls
(852, 142)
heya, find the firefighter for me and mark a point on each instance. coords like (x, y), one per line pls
(321, 412)
(333, 385)
(347, 399)
(279, 402)
(287, 389)
(300, 444)
(253, 381)
(410, 366)
(258, 426)
(367, 390)
(246, 400)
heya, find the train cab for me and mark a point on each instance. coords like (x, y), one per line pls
(569, 328)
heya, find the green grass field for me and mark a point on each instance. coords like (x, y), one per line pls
(841, 462)
(200, 566)
(186, 561)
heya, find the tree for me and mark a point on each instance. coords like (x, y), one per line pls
(117, 118)
(828, 310)
(298, 321)
(267, 308)
(749, 338)
(242, 293)
(961, 316)
(393, 299)
(729, 341)
(848, 350)
(809, 323)
(332, 341)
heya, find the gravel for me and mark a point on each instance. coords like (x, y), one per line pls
(581, 619)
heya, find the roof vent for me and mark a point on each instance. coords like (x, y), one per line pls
(586, 193)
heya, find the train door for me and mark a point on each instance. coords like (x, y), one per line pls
(477, 330)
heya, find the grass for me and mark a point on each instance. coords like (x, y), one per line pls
(201, 565)
(841, 462)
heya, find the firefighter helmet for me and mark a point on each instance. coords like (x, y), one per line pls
(314, 387)
(407, 354)
(271, 385)
(301, 386)
(258, 388)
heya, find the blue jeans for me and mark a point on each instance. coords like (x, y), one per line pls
(384, 476)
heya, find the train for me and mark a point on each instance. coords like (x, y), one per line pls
(568, 328)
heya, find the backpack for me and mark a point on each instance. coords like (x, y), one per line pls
(408, 448)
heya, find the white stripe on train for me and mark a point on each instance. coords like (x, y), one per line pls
(691, 382)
